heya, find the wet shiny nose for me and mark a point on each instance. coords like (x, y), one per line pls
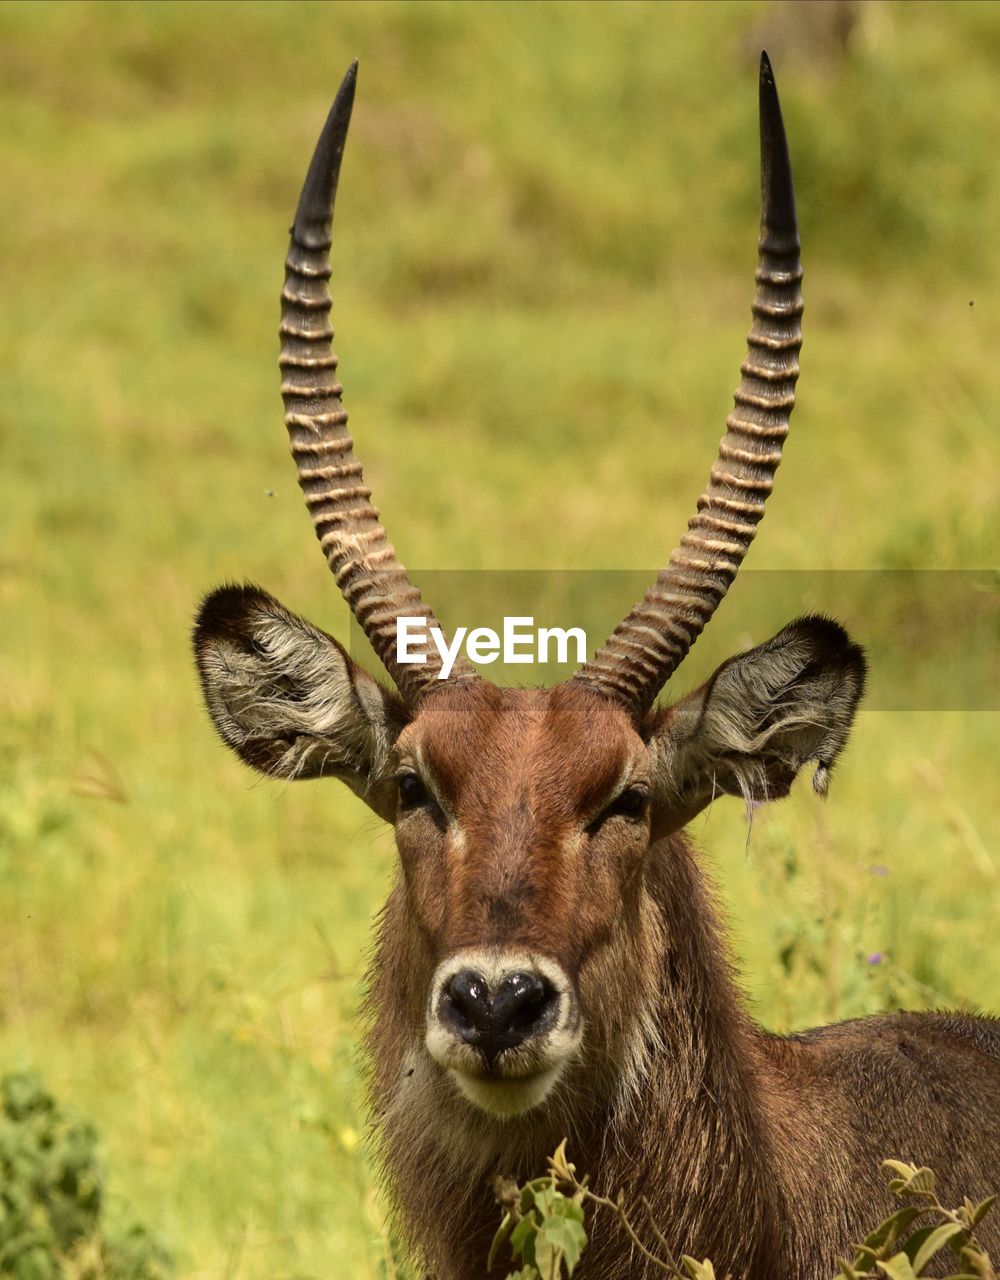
(521, 1005)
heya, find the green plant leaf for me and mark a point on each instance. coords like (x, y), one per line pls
(921, 1251)
(568, 1208)
(502, 1232)
(910, 1179)
(975, 1261)
(560, 1237)
(898, 1267)
(528, 1193)
(979, 1211)
(698, 1270)
(522, 1239)
(914, 1241)
(888, 1232)
(545, 1199)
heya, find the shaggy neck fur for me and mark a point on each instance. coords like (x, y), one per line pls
(664, 1101)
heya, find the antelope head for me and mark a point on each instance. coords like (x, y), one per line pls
(528, 821)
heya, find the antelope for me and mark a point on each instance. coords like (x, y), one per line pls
(551, 961)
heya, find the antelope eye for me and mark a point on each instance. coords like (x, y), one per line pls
(412, 792)
(631, 803)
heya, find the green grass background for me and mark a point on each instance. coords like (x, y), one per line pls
(542, 271)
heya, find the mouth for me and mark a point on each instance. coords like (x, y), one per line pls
(503, 1025)
(506, 1096)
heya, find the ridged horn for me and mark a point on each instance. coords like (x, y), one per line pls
(364, 563)
(644, 651)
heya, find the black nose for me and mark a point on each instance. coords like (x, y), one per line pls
(521, 1005)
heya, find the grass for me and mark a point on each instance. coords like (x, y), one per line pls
(542, 270)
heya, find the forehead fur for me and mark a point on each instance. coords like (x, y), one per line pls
(570, 740)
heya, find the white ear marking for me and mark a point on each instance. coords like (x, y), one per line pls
(761, 717)
(288, 698)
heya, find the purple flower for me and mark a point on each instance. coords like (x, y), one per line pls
(875, 957)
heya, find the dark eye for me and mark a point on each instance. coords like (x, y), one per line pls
(412, 792)
(631, 803)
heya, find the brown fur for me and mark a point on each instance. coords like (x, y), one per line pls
(759, 1151)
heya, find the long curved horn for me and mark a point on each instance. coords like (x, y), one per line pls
(645, 650)
(372, 579)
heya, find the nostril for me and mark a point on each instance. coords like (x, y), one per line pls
(521, 1004)
(466, 1001)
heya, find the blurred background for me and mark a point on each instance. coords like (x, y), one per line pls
(542, 272)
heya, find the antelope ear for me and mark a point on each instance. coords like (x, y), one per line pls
(288, 698)
(758, 720)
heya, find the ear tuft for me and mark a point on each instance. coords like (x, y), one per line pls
(831, 677)
(227, 611)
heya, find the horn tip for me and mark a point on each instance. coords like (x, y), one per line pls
(320, 189)
(777, 192)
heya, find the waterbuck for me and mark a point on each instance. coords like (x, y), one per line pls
(551, 961)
